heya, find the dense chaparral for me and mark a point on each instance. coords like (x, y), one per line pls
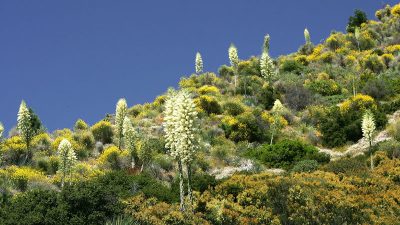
(311, 137)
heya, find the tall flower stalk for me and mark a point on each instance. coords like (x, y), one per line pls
(181, 134)
(234, 60)
(368, 128)
(198, 63)
(24, 127)
(120, 113)
(68, 159)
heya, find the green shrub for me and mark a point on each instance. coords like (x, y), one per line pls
(233, 108)
(394, 130)
(305, 166)
(391, 147)
(102, 131)
(291, 66)
(287, 153)
(80, 125)
(348, 166)
(377, 88)
(208, 104)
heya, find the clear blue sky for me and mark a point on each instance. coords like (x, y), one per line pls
(74, 59)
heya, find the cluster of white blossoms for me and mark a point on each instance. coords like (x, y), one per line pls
(199, 63)
(120, 113)
(1, 129)
(24, 123)
(267, 66)
(368, 125)
(67, 156)
(233, 56)
(266, 43)
(130, 134)
(307, 36)
(278, 107)
(180, 126)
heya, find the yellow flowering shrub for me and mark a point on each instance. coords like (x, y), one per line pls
(350, 60)
(335, 41)
(113, 158)
(13, 150)
(396, 10)
(387, 58)
(208, 89)
(393, 49)
(208, 104)
(358, 102)
(301, 59)
(21, 177)
(317, 51)
(268, 118)
(42, 142)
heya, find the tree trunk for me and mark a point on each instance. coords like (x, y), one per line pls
(189, 171)
(181, 192)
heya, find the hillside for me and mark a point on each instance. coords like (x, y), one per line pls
(312, 137)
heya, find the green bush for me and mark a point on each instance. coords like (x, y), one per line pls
(286, 154)
(102, 131)
(291, 66)
(208, 104)
(394, 130)
(377, 88)
(80, 125)
(391, 147)
(305, 166)
(348, 166)
(233, 108)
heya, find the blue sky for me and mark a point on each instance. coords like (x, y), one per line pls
(74, 59)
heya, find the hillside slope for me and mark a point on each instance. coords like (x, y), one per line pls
(265, 127)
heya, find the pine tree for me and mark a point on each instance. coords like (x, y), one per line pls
(267, 66)
(24, 127)
(120, 113)
(198, 63)
(368, 128)
(68, 159)
(130, 136)
(234, 60)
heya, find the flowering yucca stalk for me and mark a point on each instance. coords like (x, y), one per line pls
(267, 66)
(357, 36)
(368, 128)
(24, 127)
(266, 43)
(130, 136)
(120, 113)
(68, 159)
(307, 36)
(234, 60)
(181, 134)
(276, 125)
(1, 130)
(199, 63)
